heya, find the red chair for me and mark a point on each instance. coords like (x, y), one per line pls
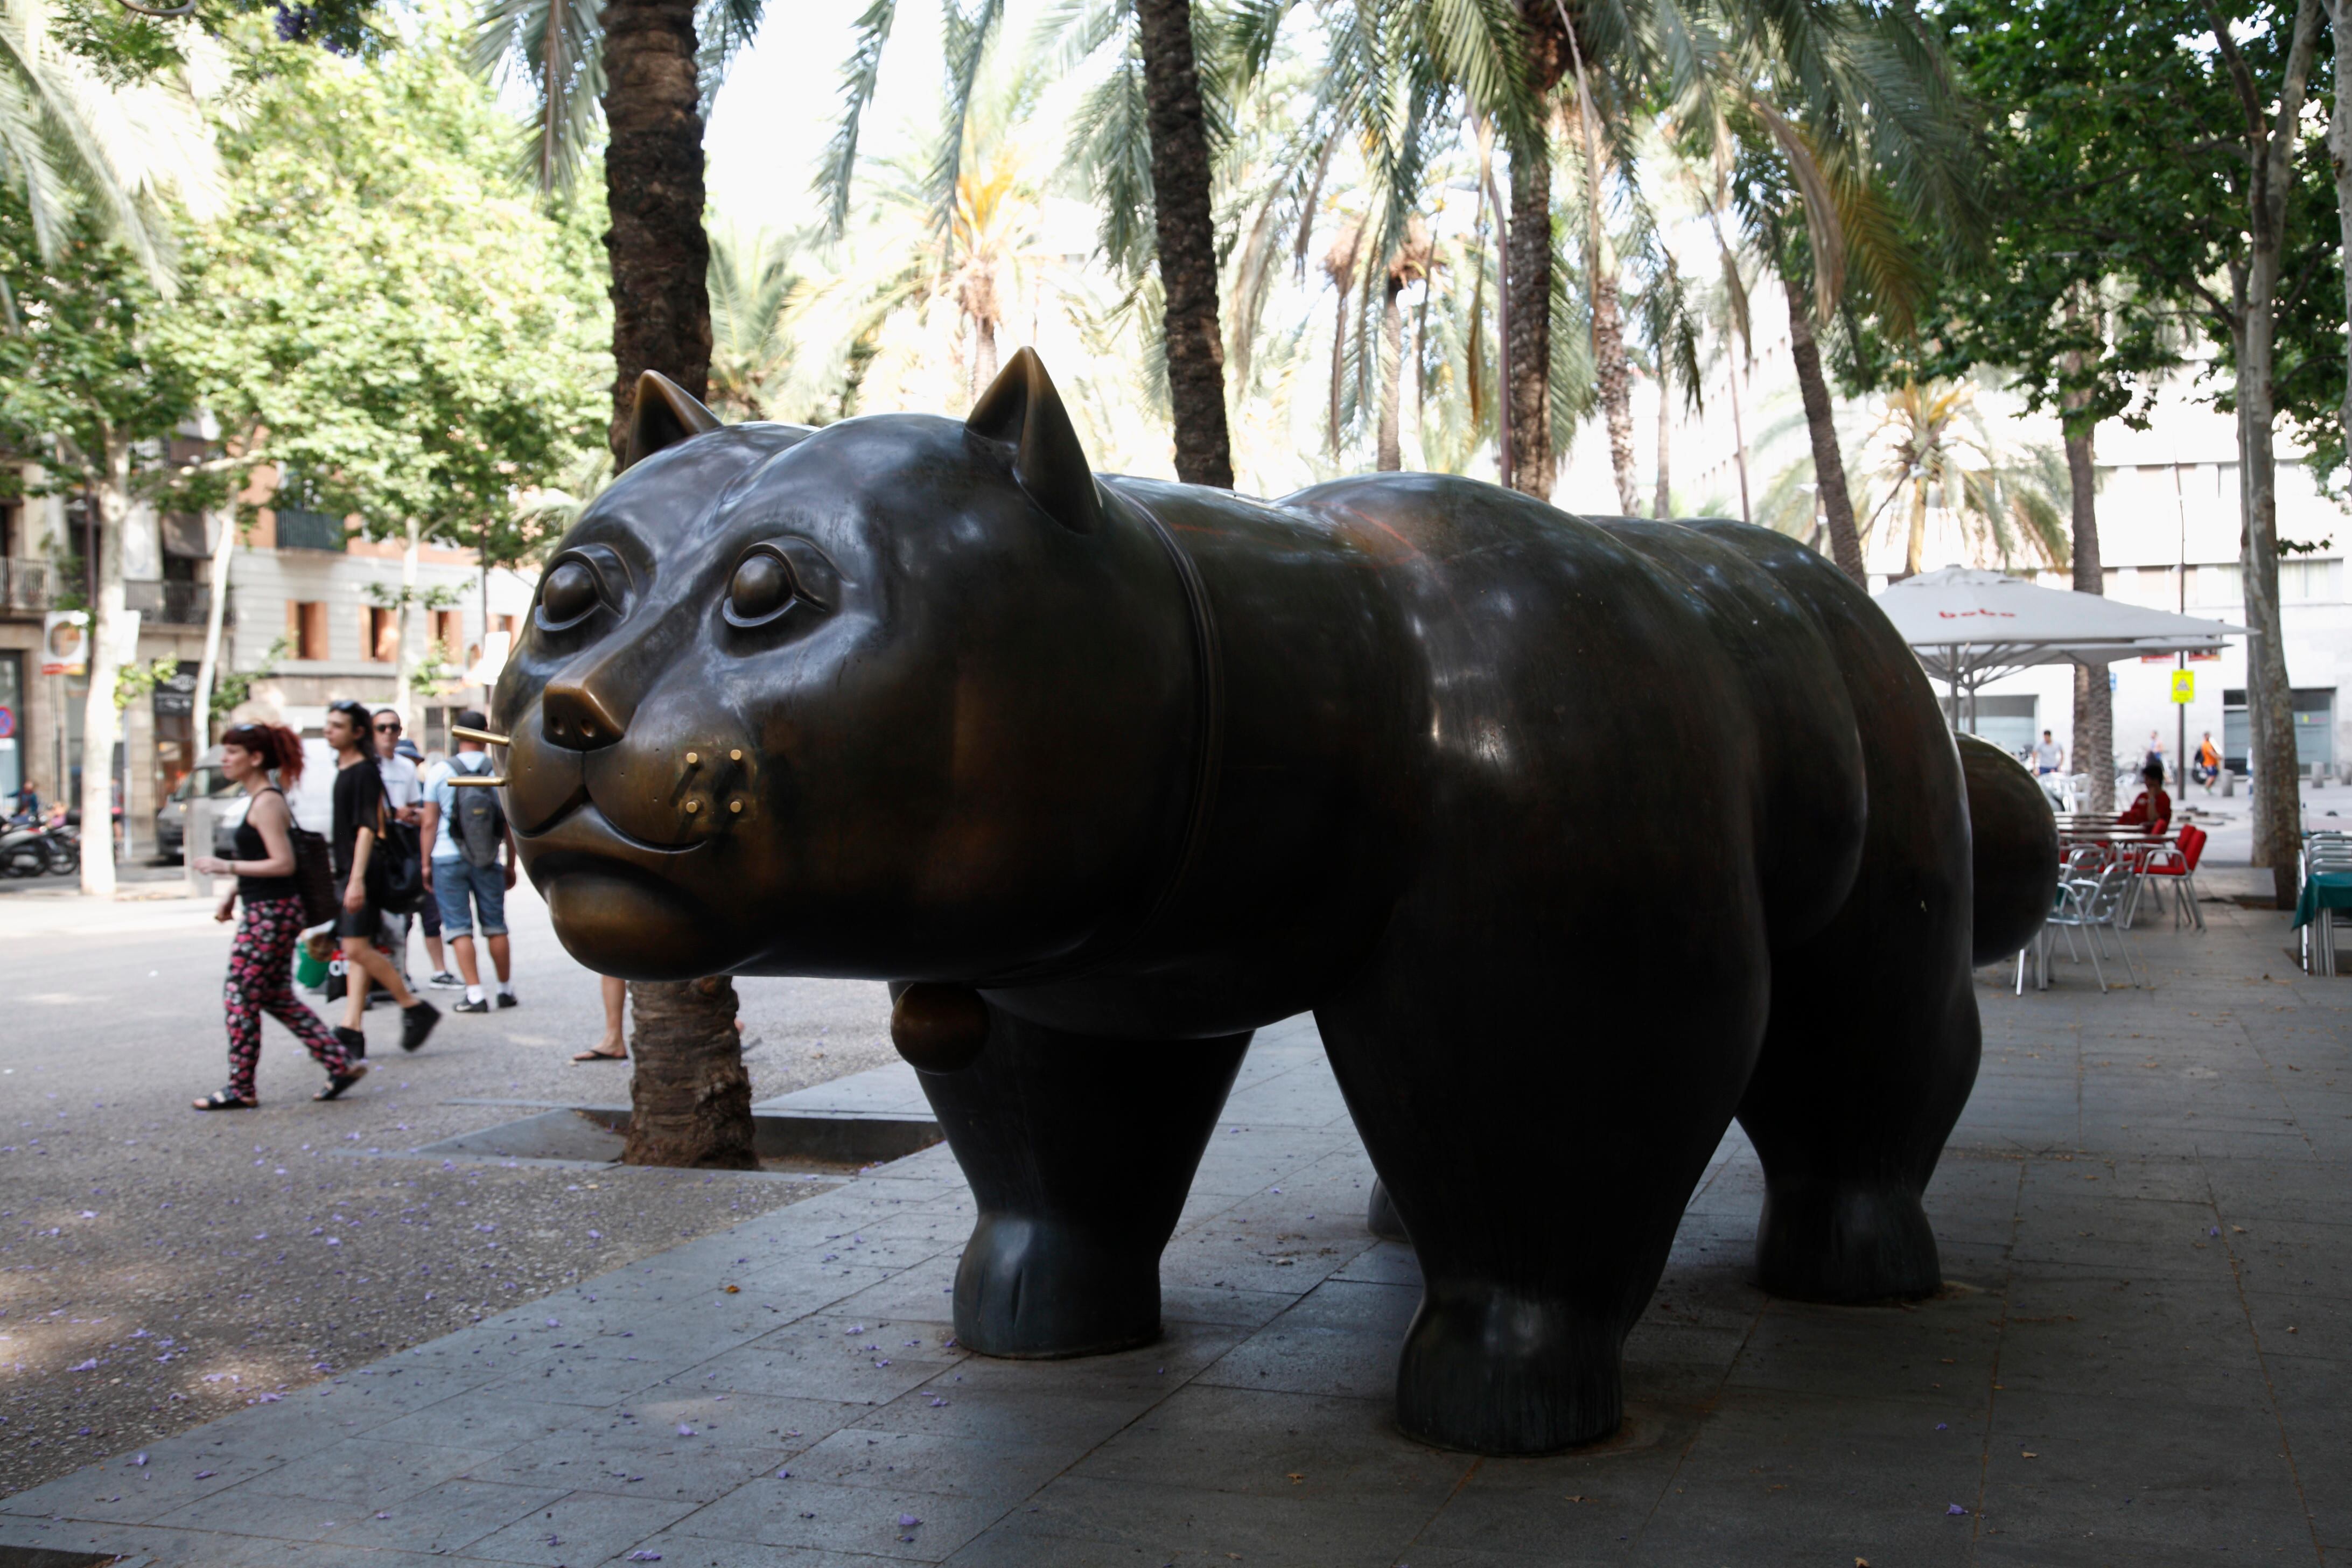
(2179, 861)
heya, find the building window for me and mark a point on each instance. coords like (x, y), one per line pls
(301, 522)
(2310, 582)
(306, 629)
(449, 631)
(379, 633)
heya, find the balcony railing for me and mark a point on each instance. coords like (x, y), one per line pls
(299, 530)
(27, 586)
(173, 604)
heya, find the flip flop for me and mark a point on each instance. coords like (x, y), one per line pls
(222, 1100)
(601, 1057)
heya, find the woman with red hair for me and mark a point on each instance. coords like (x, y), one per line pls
(261, 962)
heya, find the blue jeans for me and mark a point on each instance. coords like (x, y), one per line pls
(454, 878)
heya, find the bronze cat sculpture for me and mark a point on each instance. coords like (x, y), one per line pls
(1578, 838)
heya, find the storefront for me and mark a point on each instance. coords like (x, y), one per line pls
(13, 736)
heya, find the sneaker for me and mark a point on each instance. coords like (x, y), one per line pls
(470, 1005)
(416, 1021)
(445, 981)
(509, 999)
(354, 1043)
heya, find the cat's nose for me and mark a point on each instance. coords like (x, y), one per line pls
(574, 716)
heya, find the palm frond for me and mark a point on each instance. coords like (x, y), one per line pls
(859, 76)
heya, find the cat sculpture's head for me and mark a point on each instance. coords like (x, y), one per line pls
(902, 696)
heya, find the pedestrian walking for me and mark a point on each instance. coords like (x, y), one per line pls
(2209, 761)
(471, 867)
(395, 759)
(612, 1047)
(430, 771)
(360, 813)
(260, 960)
(2049, 756)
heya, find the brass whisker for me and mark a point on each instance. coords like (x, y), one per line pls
(485, 782)
(484, 736)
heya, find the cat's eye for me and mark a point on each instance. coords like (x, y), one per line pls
(762, 586)
(569, 594)
(774, 575)
(579, 583)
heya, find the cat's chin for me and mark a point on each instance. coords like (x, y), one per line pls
(634, 927)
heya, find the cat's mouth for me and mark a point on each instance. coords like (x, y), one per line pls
(617, 900)
(582, 829)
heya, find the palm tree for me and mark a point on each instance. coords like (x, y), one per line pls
(691, 1095)
(1933, 451)
(74, 139)
(1160, 80)
(752, 279)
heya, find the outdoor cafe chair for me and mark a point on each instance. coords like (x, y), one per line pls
(2326, 887)
(2177, 862)
(2086, 905)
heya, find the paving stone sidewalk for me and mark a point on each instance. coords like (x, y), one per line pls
(2142, 1358)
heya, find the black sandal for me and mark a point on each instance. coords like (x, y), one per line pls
(224, 1100)
(339, 1081)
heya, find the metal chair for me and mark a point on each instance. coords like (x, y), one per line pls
(2087, 905)
(2323, 853)
(2177, 861)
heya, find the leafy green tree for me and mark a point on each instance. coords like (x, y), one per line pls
(2161, 175)
(383, 312)
(87, 378)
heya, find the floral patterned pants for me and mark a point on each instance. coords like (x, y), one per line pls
(261, 980)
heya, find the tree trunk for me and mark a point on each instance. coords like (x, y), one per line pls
(1821, 425)
(405, 644)
(1527, 288)
(1528, 261)
(110, 629)
(653, 184)
(1188, 242)
(690, 1099)
(215, 617)
(2095, 705)
(1615, 374)
(1666, 436)
(1739, 440)
(693, 1098)
(1391, 443)
(2277, 790)
(2339, 154)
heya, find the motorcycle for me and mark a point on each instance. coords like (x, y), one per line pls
(35, 850)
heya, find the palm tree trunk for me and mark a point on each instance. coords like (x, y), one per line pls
(692, 1098)
(1614, 373)
(1739, 442)
(1666, 436)
(1528, 263)
(1392, 445)
(1914, 549)
(1187, 250)
(696, 1110)
(1821, 423)
(653, 184)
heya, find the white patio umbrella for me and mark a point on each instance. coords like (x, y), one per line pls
(1968, 627)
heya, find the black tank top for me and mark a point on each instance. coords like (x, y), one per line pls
(249, 846)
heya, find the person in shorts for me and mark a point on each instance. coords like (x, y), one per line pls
(360, 806)
(471, 866)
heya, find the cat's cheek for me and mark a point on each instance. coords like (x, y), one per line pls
(636, 927)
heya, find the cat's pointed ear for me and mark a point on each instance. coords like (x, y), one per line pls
(1020, 406)
(665, 413)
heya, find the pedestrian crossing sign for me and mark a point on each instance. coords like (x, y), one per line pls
(2184, 686)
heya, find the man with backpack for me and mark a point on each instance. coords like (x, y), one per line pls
(467, 875)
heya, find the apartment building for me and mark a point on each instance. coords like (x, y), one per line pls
(304, 615)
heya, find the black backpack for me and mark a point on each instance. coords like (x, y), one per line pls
(481, 821)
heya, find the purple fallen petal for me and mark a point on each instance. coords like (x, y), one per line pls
(684, 1430)
(1953, 1508)
(908, 1521)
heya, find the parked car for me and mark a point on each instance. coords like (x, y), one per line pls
(312, 800)
(203, 781)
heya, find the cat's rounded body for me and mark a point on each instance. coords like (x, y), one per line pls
(1578, 838)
